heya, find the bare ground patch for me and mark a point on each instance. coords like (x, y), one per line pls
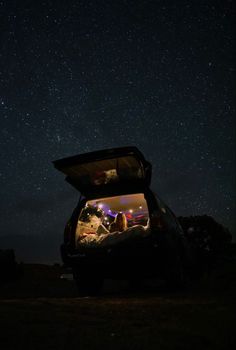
(41, 311)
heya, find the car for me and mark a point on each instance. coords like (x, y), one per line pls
(152, 245)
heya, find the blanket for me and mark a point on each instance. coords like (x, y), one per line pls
(110, 239)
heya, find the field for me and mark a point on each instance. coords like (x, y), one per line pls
(43, 311)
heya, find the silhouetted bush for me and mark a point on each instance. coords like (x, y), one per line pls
(206, 233)
(9, 269)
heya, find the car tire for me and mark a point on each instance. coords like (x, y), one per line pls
(175, 277)
(135, 284)
(174, 273)
(88, 285)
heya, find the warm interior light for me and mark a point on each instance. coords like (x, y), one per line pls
(134, 206)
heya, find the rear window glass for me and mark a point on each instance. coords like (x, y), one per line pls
(107, 171)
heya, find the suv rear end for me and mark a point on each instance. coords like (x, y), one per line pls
(113, 181)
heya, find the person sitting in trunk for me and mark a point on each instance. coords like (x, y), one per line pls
(119, 224)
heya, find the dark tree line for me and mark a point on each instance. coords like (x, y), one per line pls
(206, 233)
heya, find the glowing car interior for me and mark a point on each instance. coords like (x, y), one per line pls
(104, 210)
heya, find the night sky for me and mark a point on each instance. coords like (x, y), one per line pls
(79, 76)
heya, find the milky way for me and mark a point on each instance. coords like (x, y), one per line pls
(79, 76)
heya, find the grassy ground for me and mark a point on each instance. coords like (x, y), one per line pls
(41, 311)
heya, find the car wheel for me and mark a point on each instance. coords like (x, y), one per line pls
(88, 285)
(175, 277)
(174, 273)
(135, 284)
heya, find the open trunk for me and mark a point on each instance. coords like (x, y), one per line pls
(106, 171)
(108, 221)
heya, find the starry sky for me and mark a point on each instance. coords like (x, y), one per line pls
(79, 76)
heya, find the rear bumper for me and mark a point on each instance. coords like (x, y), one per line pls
(114, 263)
